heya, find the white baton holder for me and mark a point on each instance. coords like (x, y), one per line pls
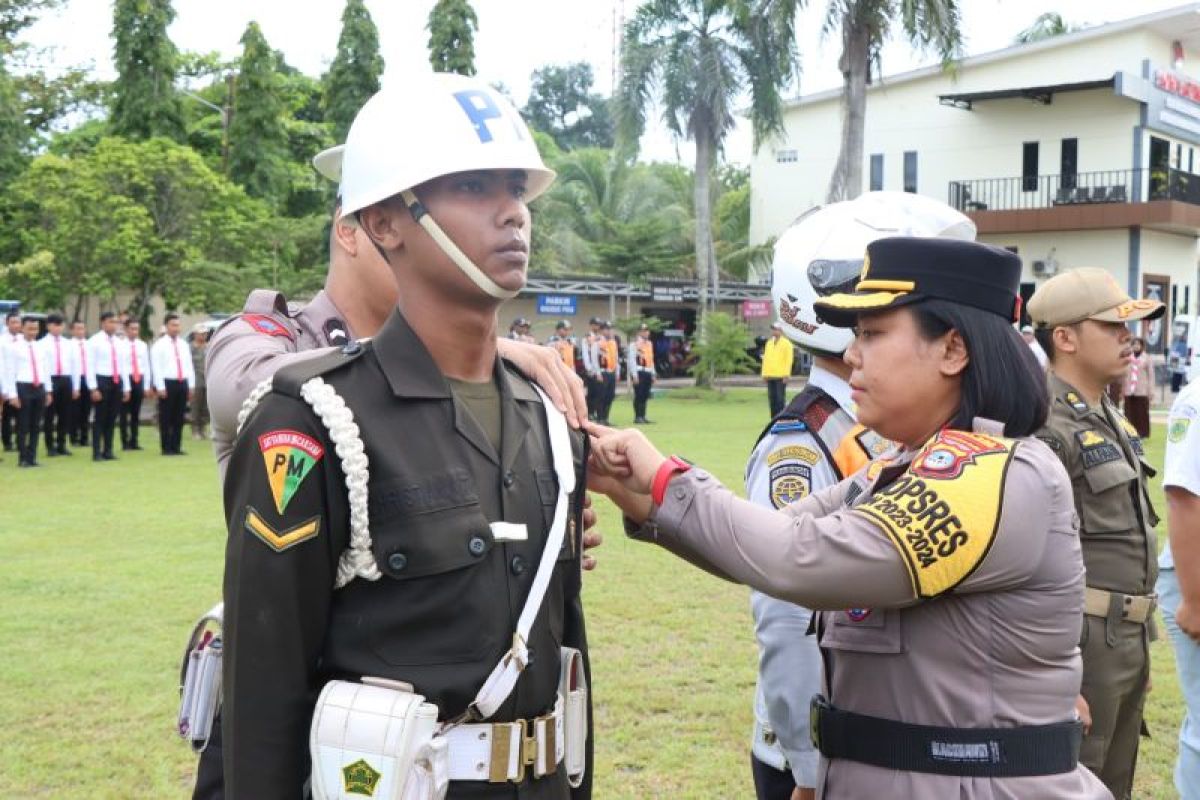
(200, 680)
(380, 739)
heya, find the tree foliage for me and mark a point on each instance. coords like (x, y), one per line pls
(144, 216)
(720, 348)
(145, 102)
(697, 58)
(17, 15)
(257, 135)
(14, 134)
(1046, 26)
(353, 76)
(864, 26)
(562, 104)
(452, 25)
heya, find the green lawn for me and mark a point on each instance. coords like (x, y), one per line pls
(105, 567)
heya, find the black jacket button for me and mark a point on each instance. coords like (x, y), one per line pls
(509, 479)
(397, 561)
(476, 546)
(518, 566)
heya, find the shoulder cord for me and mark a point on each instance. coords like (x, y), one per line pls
(357, 561)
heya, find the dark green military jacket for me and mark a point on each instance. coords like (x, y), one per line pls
(1109, 474)
(445, 609)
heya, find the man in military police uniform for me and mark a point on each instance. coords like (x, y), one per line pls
(462, 493)
(815, 443)
(1081, 322)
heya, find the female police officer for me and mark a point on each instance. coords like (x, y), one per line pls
(948, 573)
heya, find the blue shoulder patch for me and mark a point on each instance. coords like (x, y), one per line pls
(785, 425)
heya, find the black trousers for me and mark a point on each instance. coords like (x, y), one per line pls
(81, 412)
(8, 425)
(171, 408)
(641, 394)
(771, 783)
(776, 394)
(131, 414)
(29, 420)
(1177, 381)
(58, 413)
(595, 387)
(608, 391)
(106, 411)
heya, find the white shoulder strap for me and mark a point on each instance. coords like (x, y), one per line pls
(503, 679)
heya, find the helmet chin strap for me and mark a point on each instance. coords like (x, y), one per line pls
(477, 276)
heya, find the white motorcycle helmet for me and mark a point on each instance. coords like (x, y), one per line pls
(422, 129)
(822, 253)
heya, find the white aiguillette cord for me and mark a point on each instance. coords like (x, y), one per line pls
(503, 679)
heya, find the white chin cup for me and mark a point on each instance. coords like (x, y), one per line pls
(477, 276)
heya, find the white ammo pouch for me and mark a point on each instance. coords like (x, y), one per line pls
(200, 680)
(379, 738)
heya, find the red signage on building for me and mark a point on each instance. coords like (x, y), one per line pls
(754, 309)
(1177, 84)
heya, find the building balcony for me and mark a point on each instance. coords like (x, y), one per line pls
(1160, 199)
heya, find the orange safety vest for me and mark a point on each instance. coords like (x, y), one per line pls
(608, 355)
(566, 352)
(645, 354)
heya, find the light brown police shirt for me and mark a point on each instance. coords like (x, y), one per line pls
(907, 633)
(266, 336)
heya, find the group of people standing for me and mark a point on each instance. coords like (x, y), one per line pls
(597, 359)
(82, 388)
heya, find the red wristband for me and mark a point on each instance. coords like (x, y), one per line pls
(658, 488)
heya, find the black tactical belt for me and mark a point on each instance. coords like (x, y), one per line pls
(975, 752)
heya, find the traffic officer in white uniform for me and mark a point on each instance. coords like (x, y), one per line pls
(815, 443)
(1178, 584)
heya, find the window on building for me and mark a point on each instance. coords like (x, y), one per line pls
(1192, 160)
(785, 156)
(1029, 167)
(876, 172)
(1069, 163)
(910, 171)
(1160, 164)
(1178, 156)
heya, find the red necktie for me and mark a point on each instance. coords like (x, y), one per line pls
(112, 348)
(57, 356)
(37, 381)
(137, 373)
(178, 363)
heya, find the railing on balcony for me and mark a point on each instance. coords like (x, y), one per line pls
(1080, 188)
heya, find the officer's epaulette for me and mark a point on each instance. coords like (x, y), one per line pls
(289, 379)
(798, 412)
(1075, 402)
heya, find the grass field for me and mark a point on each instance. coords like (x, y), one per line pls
(106, 566)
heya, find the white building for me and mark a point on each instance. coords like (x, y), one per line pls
(1080, 150)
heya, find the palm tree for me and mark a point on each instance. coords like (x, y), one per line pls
(698, 58)
(865, 26)
(1045, 26)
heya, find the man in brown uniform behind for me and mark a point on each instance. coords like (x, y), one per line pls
(1080, 318)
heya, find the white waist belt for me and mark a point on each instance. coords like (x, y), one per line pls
(504, 751)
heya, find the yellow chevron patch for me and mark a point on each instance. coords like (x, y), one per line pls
(281, 541)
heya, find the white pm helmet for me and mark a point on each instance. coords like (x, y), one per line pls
(822, 253)
(425, 128)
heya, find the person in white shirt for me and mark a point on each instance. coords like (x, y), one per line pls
(81, 407)
(137, 362)
(28, 372)
(1178, 584)
(1038, 352)
(108, 376)
(8, 413)
(174, 379)
(62, 383)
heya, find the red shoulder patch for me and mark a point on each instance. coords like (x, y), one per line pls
(264, 324)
